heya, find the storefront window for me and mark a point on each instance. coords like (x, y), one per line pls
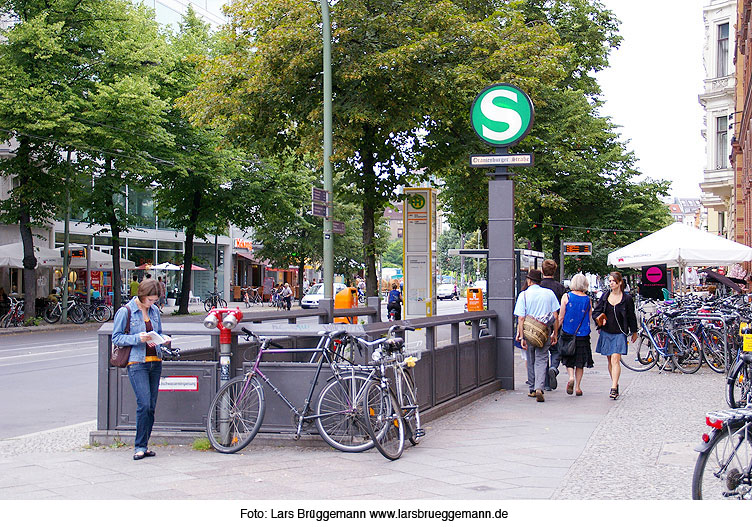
(141, 204)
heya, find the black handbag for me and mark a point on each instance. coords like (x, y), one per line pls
(120, 354)
(567, 342)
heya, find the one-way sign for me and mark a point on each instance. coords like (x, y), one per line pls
(492, 160)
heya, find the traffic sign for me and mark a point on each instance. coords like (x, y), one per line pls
(502, 115)
(319, 209)
(578, 248)
(480, 160)
(338, 227)
(319, 194)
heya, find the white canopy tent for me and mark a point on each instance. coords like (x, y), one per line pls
(11, 255)
(679, 245)
(99, 260)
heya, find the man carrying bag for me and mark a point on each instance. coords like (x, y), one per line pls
(536, 329)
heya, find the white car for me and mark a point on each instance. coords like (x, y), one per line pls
(482, 285)
(316, 293)
(448, 291)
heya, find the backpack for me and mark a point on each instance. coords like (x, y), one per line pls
(394, 297)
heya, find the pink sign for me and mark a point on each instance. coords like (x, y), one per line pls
(654, 274)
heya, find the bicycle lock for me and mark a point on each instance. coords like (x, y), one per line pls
(226, 319)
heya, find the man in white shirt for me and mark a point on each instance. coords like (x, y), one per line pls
(542, 304)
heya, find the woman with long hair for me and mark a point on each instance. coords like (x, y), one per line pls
(615, 316)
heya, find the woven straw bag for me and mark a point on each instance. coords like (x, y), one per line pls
(535, 332)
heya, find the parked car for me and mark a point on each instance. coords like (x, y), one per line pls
(316, 293)
(447, 291)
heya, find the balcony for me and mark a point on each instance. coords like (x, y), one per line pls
(719, 183)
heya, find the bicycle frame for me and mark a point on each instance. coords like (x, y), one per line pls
(662, 350)
(303, 414)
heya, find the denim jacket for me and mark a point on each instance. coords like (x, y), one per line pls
(120, 338)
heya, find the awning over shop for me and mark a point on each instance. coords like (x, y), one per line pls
(248, 256)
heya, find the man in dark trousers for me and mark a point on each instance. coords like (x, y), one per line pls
(549, 282)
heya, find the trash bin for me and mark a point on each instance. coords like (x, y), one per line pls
(475, 299)
(346, 299)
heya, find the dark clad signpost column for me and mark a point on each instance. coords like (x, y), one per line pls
(502, 116)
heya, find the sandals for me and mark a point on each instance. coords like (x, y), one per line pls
(578, 393)
(141, 454)
(570, 387)
(614, 393)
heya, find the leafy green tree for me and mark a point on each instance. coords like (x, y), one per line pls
(393, 256)
(56, 55)
(208, 184)
(401, 69)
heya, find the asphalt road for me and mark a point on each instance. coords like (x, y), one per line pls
(48, 379)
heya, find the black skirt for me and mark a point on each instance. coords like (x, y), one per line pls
(583, 355)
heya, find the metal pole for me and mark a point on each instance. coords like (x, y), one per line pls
(328, 183)
(66, 241)
(561, 260)
(216, 265)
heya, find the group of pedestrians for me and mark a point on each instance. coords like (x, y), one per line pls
(546, 311)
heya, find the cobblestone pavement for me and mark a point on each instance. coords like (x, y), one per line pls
(504, 446)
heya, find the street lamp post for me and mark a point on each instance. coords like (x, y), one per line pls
(328, 183)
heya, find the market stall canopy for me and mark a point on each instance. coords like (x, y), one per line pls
(11, 255)
(99, 260)
(195, 267)
(679, 245)
(166, 266)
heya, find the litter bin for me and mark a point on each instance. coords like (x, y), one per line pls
(474, 301)
(346, 299)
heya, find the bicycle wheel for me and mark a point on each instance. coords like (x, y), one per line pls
(410, 408)
(739, 386)
(339, 409)
(222, 302)
(645, 354)
(100, 313)
(78, 314)
(713, 351)
(235, 415)
(386, 427)
(208, 304)
(723, 470)
(689, 356)
(52, 314)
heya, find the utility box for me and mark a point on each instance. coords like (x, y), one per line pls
(346, 299)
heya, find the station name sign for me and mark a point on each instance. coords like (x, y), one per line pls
(491, 160)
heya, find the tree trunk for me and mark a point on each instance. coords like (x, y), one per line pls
(301, 271)
(24, 221)
(190, 233)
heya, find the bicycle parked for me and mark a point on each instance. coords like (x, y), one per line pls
(724, 465)
(214, 300)
(237, 410)
(251, 295)
(15, 314)
(398, 413)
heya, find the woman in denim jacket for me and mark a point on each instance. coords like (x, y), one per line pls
(145, 360)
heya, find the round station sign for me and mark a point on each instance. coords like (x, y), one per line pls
(502, 115)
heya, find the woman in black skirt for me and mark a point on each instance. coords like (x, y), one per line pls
(575, 320)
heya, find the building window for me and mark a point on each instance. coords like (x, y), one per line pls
(721, 142)
(723, 50)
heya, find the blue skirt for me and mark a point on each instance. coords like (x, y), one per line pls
(610, 343)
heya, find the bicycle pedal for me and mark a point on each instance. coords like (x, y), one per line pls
(419, 432)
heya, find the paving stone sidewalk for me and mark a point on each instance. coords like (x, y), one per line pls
(504, 446)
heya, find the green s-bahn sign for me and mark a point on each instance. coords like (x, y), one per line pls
(502, 115)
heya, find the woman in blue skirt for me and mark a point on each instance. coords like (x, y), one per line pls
(615, 316)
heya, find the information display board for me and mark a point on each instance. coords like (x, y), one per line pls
(419, 244)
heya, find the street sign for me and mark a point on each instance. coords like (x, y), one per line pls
(338, 227)
(319, 209)
(502, 115)
(319, 194)
(578, 248)
(521, 160)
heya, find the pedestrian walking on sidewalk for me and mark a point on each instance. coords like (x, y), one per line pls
(287, 296)
(548, 267)
(615, 316)
(145, 361)
(542, 304)
(575, 320)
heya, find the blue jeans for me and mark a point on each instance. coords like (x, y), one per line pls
(144, 378)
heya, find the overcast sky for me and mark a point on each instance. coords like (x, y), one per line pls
(652, 86)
